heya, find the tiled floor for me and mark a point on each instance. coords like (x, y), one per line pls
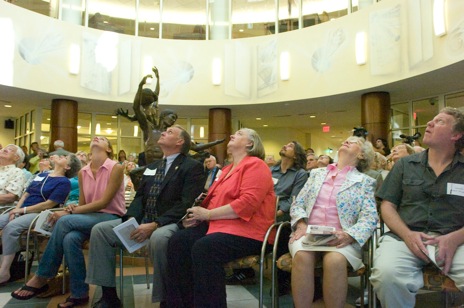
(137, 295)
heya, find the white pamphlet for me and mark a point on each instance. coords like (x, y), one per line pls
(318, 236)
(124, 230)
(42, 224)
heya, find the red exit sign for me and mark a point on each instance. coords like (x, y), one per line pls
(325, 128)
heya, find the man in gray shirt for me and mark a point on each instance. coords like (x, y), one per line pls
(422, 205)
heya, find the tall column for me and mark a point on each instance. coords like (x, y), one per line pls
(375, 114)
(219, 126)
(219, 19)
(64, 123)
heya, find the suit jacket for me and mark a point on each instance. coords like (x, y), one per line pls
(355, 203)
(181, 185)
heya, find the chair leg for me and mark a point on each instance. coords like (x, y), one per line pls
(121, 275)
(63, 286)
(147, 273)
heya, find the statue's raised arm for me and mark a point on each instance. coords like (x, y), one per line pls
(198, 147)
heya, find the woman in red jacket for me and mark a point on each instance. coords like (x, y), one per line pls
(230, 224)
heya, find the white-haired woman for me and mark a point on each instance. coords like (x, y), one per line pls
(339, 196)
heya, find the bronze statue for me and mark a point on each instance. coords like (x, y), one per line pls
(146, 114)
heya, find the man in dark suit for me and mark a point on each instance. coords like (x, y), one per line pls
(169, 186)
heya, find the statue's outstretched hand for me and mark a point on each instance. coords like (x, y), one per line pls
(122, 113)
(144, 80)
(155, 71)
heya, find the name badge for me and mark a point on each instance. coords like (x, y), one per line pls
(39, 178)
(149, 172)
(455, 189)
(275, 181)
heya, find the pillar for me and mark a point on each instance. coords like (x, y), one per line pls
(219, 19)
(219, 127)
(375, 114)
(64, 124)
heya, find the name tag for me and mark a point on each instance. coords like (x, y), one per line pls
(455, 189)
(149, 172)
(39, 178)
(275, 181)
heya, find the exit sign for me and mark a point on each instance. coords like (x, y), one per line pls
(326, 129)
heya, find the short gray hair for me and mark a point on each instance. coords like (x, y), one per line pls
(19, 152)
(257, 148)
(74, 166)
(59, 143)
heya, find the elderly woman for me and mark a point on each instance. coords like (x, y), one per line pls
(230, 223)
(339, 196)
(47, 190)
(101, 198)
(12, 179)
(399, 151)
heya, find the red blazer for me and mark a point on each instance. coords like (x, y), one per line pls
(250, 192)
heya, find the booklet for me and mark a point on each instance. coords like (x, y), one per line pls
(124, 230)
(319, 236)
(432, 253)
(42, 225)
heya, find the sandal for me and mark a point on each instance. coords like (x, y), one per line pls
(35, 292)
(74, 302)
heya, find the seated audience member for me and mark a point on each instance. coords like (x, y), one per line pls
(35, 160)
(159, 204)
(83, 157)
(101, 198)
(12, 179)
(381, 146)
(47, 190)
(289, 177)
(230, 224)
(212, 170)
(339, 196)
(24, 166)
(324, 160)
(422, 205)
(399, 151)
(311, 162)
(309, 151)
(127, 180)
(122, 157)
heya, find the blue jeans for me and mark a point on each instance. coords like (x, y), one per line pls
(70, 232)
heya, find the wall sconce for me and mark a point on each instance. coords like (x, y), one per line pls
(216, 73)
(439, 23)
(202, 132)
(285, 65)
(74, 59)
(360, 48)
(98, 129)
(136, 130)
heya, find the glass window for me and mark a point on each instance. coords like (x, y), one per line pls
(106, 125)
(84, 123)
(184, 20)
(288, 15)
(33, 120)
(149, 18)
(38, 6)
(253, 18)
(315, 11)
(199, 130)
(45, 125)
(45, 140)
(455, 100)
(131, 145)
(129, 129)
(112, 16)
(400, 115)
(73, 11)
(424, 110)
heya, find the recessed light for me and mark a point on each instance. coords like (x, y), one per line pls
(48, 119)
(8, 106)
(323, 123)
(114, 117)
(258, 119)
(152, 28)
(241, 30)
(265, 125)
(312, 116)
